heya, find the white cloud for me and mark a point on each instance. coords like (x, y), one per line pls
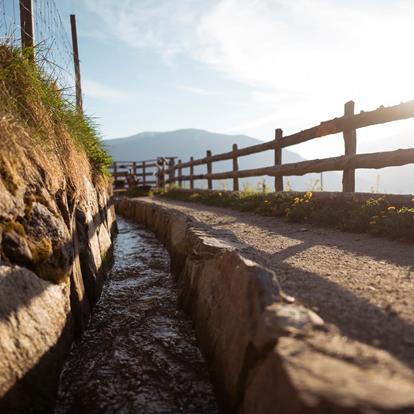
(164, 26)
(302, 59)
(315, 47)
(197, 91)
(102, 92)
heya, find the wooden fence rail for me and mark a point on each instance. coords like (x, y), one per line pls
(347, 124)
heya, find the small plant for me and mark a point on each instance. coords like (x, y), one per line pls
(261, 186)
(247, 189)
(223, 185)
(315, 185)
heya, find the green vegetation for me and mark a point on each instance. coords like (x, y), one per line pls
(376, 216)
(34, 100)
(138, 192)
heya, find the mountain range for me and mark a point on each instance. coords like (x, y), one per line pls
(185, 143)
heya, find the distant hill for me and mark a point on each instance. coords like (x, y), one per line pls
(185, 143)
(396, 180)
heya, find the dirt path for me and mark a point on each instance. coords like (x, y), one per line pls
(362, 285)
(139, 354)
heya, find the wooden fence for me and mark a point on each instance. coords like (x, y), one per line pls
(348, 163)
(139, 174)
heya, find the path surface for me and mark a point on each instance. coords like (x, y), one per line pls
(362, 285)
(138, 355)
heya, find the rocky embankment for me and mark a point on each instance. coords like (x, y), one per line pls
(56, 223)
(267, 353)
(55, 246)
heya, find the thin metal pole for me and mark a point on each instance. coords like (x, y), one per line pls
(26, 26)
(78, 86)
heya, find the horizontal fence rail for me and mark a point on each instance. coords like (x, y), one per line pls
(348, 124)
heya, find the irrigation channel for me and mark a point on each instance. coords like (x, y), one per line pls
(139, 354)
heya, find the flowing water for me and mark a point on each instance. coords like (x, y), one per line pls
(139, 354)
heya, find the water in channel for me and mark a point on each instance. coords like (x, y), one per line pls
(139, 354)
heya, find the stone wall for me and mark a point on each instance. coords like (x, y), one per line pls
(266, 353)
(55, 250)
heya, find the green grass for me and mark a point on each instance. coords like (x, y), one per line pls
(138, 192)
(376, 216)
(35, 100)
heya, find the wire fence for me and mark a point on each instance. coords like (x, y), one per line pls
(53, 46)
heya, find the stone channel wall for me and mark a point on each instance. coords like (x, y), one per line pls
(267, 354)
(55, 251)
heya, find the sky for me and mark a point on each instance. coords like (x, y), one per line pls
(242, 66)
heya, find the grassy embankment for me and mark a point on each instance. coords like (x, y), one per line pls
(48, 153)
(376, 216)
(31, 101)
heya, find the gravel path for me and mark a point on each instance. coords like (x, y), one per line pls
(362, 285)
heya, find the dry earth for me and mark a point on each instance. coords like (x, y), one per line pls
(360, 284)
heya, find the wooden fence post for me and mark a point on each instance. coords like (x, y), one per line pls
(191, 174)
(158, 172)
(160, 165)
(348, 177)
(235, 169)
(144, 174)
(180, 174)
(162, 170)
(76, 63)
(209, 170)
(278, 159)
(134, 174)
(26, 26)
(171, 174)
